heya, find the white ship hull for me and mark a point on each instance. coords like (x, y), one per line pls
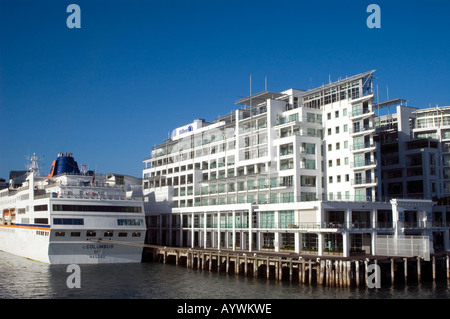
(73, 218)
(24, 241)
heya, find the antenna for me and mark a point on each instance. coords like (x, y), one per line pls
(33, 166)
(250, 90)
(266, 84)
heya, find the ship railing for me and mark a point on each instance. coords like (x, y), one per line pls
(95, 196)
(96, 184)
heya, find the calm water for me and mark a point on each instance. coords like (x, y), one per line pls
(21, 278)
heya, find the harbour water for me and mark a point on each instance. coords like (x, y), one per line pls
(26, 279)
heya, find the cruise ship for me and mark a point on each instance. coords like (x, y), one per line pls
(71, 216)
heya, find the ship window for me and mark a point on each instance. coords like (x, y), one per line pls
(130, 222)
(90, 233)
(75, 234)
(108, 234)
(40, 208)
(60, 234)
(41, 221)
(68, 221)
(97, 208)
(123, 234)
(136, 234)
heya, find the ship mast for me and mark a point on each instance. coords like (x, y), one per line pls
(33, 166)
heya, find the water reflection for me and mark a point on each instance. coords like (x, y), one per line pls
(23, 278)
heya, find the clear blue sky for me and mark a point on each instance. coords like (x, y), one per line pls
(136, 69)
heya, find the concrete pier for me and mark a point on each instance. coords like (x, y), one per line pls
(307, 269)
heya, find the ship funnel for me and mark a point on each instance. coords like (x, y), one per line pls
(64, 164)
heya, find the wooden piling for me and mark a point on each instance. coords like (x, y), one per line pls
(330, 272)
(299, 270)
(357, 272)
(280, 269)
(392, 272)
(447, 259)
(210, 261)
(203, 265)
(303, 271)
(405, 260)
(245, 265)
(276, 264)
(366, 275)
(268, 267)
(290, 270)
(419, 275)
(310, 272)
(433, 267)
(349, 273)
(336, 273)
(321, 272)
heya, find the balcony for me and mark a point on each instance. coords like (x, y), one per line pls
(363, 164)
(361, 130)
(362, 147)
(365, 181)
(417, 224)
(363, 113)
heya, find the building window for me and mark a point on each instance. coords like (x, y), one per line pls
(286, 218)
(268, 240)
(309, 242)
(267, 219)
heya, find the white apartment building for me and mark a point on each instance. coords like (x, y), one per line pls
(295, 171)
